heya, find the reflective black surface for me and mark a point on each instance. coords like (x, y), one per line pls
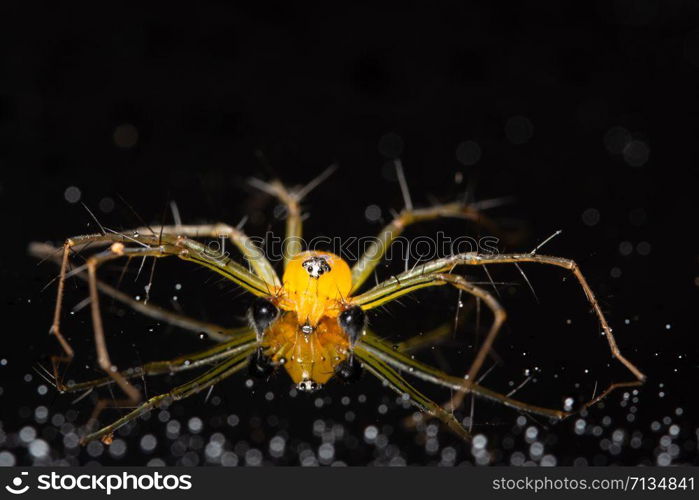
(585, 117)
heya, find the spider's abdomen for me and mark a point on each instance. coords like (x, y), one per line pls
(315, 284)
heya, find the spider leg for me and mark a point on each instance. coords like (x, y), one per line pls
(156, 235)
(204, 381)
(68, 245)
(373, 255)
(425, 372)
(435, 279)
(252, 253)
(499, 316)
(293, 236)
(393, 379)
(572, 266)
(612, 387)
(215, 332)
(195, 251)
(56, 324)
(186, 249)
(192, 250)
(192, 361)
(291, 198)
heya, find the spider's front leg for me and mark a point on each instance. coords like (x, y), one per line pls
(247, 247)
(215, 332)
(149, 237)
(55, 330)
(375, 253)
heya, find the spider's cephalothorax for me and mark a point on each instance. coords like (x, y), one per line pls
(317, 327)
(315, 285)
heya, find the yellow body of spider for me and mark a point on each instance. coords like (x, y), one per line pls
(307, 339)
(315, 285)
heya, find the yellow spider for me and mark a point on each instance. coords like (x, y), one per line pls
(312, 322)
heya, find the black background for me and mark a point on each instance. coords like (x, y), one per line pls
(210, 88)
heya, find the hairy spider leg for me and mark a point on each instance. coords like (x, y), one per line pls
(215, 332)
(215, 375)
(376, 251)
(398, 384)
(430, 274)
(410, 366)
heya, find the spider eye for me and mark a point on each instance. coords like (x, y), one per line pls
(353, 322)
(349, 370)
(307, 385)
(262, 314)
(260, 365)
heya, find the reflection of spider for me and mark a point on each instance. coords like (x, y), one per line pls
(312, 322)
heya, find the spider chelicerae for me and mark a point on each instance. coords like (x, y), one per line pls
(311, 322)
